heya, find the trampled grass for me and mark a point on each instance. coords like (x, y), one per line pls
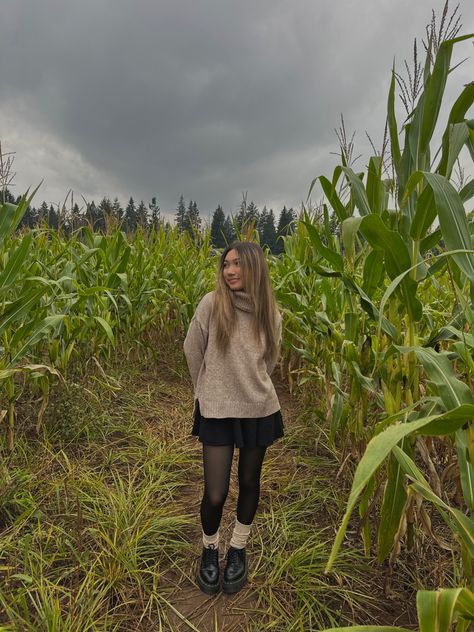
(100, 525)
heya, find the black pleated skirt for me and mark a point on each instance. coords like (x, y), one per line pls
(240, 432)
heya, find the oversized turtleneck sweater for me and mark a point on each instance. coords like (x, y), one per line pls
(235, 383)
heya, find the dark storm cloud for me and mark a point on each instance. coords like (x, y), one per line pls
(206, 98)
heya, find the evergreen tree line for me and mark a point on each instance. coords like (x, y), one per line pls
(225, 229)
(110, 214)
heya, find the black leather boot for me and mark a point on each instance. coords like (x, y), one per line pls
(235, 572)
(208, 575)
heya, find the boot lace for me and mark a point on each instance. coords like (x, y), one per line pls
(210, 555)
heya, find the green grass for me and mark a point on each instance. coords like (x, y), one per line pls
(100, 527)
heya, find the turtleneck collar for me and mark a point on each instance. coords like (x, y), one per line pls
(242, 301)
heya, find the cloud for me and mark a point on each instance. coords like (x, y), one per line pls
(207, 99)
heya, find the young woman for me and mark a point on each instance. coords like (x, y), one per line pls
(232, 347)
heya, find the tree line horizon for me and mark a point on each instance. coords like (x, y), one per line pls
(108, 214)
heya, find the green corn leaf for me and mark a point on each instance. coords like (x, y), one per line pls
(20, 308)
(455, 519)
(450, 333)
(119, 268)
(351, 326)
(405, 171)
(425, 214)
(358, 192)
(466, 468)
(375, 185)
(334, 200)
(350, 226)
(465, 604)
(40, 330)
(15, 262)
(467, 192)
(430, 241)
(397, 260)
(463, 525)
(452, 391)
(393, 503)
(434, 89)
(11, 214)
(378, 449)
(106, 327)
(373, 272)
(392, 125)
(329, 189)
(396, 282)
(457, 114)
(370, 308)
(426, 603)
(452, 221)
(452, 217)
(458, 137)
(331, 256)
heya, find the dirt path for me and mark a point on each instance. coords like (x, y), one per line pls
(223, 613)
(291, 463)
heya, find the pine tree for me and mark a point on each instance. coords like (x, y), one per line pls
(52, 218)
(195, 220)
(228, 230)
(187, 226)
(241, 216)
(142, 215)
(130, 217)
(266, 229)
(217, 228)
(192, 220)
(92, 214)
(155, 214)
(104, 214)
(29, 218)
(262, 218)
(286, 225)
(117, 211)
(247, 214)
(43, 213)
(7, 196)
(181, 215)
(252, 213)
(76, 219)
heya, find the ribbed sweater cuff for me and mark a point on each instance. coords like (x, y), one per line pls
(223, 409)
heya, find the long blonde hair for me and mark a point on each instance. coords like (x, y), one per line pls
(257, 284)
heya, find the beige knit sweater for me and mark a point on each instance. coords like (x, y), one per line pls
(236, 383)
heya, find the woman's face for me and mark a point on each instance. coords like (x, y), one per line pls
(232, 271)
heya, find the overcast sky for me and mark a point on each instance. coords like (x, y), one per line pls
(205, 98)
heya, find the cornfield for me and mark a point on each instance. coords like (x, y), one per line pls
(376, 288)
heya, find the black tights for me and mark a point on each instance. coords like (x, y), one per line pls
(217, 461)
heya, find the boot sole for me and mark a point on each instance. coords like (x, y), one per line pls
(232, 587)
(208, 589)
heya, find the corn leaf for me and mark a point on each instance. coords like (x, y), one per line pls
(378, 449)
(434, 89)
(394, 499)
(15, 262)
(452, 391)
(358, 192)
(397, 260)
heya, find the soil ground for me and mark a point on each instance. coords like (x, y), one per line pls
(190, 609)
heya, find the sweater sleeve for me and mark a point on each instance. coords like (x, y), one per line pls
(272, 362)
(195, 345)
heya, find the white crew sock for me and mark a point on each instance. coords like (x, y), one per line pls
(240, 535)
(208, 540)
